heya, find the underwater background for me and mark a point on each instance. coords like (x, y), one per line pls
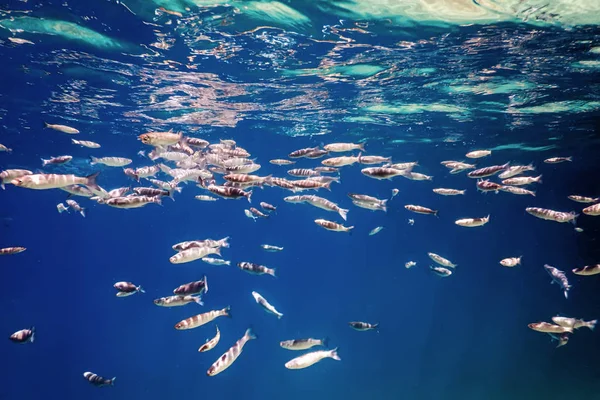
(421, 81)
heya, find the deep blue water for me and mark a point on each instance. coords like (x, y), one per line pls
(427, 92)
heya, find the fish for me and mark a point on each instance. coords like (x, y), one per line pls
(196, 142)
(574, 322)
(487, 186)
(578, 229)
(517, 190)
(522, 180)
(592, 210)
(153, 192)
(249, 214)
(202, 319)
(230, 192)
(340, 161)
(215, 261)
(303, 172)
(472, 222)
(344, 147)
(333, 226)
(375, 231)
(231, 355)
(394, 193)
(370, 160)
(193, 254)
(129, 202)
(20, 41)
(202, 197)
(515, 170)
(302, 344)
(282, 162)
(111, 161)
(75, 206)
(97, 380)
(511, 261)
(403, 166)
(77, 190)
(178, 301)
(588, 270)
(62, 128)
(383, 173)
(57, 160)
(125, 289)
(478, 154)
(211, 344)
(449, 192)
(420, 209)
(559, 278)
(146, 172)
(551, 215)
(256, 269)
(487, 171)
(327, 170)
(410, 264)
(266, 305)
(302, 152)
(61, 208)
(411, 222)
(363, 326)
(415, 176)
(440, 271)
(584, 199)
(271, 248)
(8, 175)
(562, 338)
(160, 138)
(547, 327)
(196, 287)
(86, 143)
(306, 360)
(557, 160)
(11, 250)
(55, 181)
(201, 243)
(441, 260)
(23, 336)
(318, 202)
(257, 213)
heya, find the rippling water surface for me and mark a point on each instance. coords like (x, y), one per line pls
(414, 80)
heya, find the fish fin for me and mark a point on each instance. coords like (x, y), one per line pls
(112, 381)
(82, 212)
(279, 316)
(272, 272)
(343, 213)
(227, 311)
(539, 179)
(327, 186)
(205, 279)
(249, 196)
(198, 300)
(250, 334)
(591, 324)
(376, 326)
(91, 181)
(325, 341)
(334, 354)
(93, 160)
(141, 289)
(32, 329)
(218, 251)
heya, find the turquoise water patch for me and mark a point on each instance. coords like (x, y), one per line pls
(354, 71)
(573, 106)
(522, 146)
(414, 108)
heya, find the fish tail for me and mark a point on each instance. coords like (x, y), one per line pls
(375, 326)
(217, 250)
(44, 162)
(171, 192)
(591, 324)
(327, 186)
(272, 272)
(91, 181)
(334, 354)
(539, 179)
(141, 289)
(361, 147)
(343, 213)
(227, 311)
(325, 341)
(250, 334)
(93, 160)
(82, 212)
(46, 125)
(249, 197)
(32, 329)
(112, 381)
(198, 300)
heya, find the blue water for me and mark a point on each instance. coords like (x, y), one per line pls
(427, 92)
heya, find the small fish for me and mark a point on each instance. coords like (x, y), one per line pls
(160, 138)
(256, 269)
(86, 143)
(557, 160)
(551, 215)
(578, 229)
(266, 305)
(97, 380)
(375, 231)
(588, 270)
(487, 171)
(511, 261)
(230, 192)
(203, 197)
(472, 222)
(231, 355)
(440, 271)
(515, 170)
(57, 160)
(111, 161)
(282, 162)
(344, 147)
(178, 301)
(441, 260)
(125, 289)
(560, 278)
(546, 327)
(394, 193)
(20, 41)
(210, 344)
(302, 152)
(487, 186)
(340, 161)
(55, 181)
(215, 261)
(302, 344)
(410, 264)
(75, 206)
(449, 192)
(478, 154)
(194, 253)
(411, 222)
(267, 206)
(371, 160)
(202, 319)
(129, 202)
(517, 190)
(583, 199)
(196, 287)
(11, 250)
(574, 322)
(562, 338)
(420, 209)
(306, 360)
(257, 213)
(271, 248)
(522, 180)
(249, 214)
(62, 128)
(332, 226)
(23, 336)
(592, 210)
(363, 326)
(383, 173)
